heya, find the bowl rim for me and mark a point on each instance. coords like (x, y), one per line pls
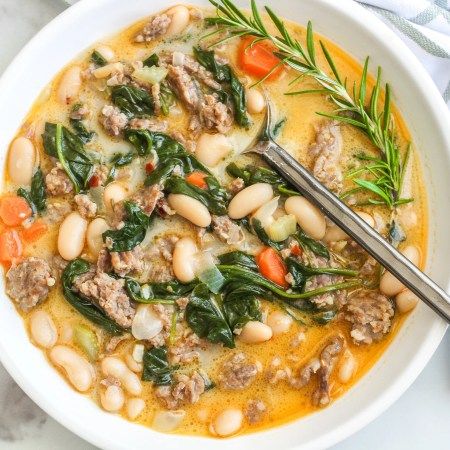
(441, 116)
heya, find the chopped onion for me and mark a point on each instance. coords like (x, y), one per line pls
(178, 59)
(208, 273)
(96, 194)
(168, 420)
(265, 213)
(87, 340)
(282, 228)
(138, 353)
(146, 324)
(152, 75)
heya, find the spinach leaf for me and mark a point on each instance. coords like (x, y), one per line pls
(214, 198)
(118, 160)
(224, 74)
(132, 233)
(158, 292)
(81, 131)
(152, 60)
(252, 174)
(315, 246)
(156, 366)
(206, 318)
(98, 59)
(308, 271)
(238, 258)
(297, 274)
(62, 144)
(276, 130)
(141, 139)
(166, 97)
(132, 101)
(263, 236)
(81, 303)
(37, 196)
(241, 304)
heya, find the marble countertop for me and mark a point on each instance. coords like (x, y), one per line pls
(420, 419)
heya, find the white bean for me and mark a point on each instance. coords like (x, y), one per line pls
(114, 193)
(43, 330)
(255, 101)
(249, 200)
(212, 148)
(69, 85)
(190, 208)
(279, 322)
(138, 352)
(389, 285)
(112, 399)
(228, 422)
(132, 364)
(366, 217)
(406, 301)
(115, 367)
(334, 233)
(106, 52)
(179, 19)
(77, 369)
(347, 367)
(134, 408)
(168, 420)
(21, 159)
(94, 233)
(108, 70)
(310, 219)
(183, 259)
(254, 332)
(71, 236)
(146, 323)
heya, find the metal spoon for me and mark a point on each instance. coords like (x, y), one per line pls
(387, 255)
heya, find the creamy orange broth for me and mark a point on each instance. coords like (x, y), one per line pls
(284, 403)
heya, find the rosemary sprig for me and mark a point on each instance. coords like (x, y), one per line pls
(381, 176)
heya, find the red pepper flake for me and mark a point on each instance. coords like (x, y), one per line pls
(149, 167)
(94, 181)
(296, 250)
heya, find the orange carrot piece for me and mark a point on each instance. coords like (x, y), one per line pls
(271, 266)
(10, 246)
(197, 179)
(35, 231)
(14, 210)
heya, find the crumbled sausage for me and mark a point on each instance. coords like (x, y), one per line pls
(226, 230)
(56, 211)
(125, 262)
(185, 86)
(113, 120)
(215, 115)
(237, 372)
(371, 314)
(148, 124)
(157, 27)
(80, 112)
(205, 76)
(327, 151)
(305, 373)
(110, 294)
(255, 410)
(328, 358)
(57, 182)
(86, 207)
(28, 283)
(164, 247)
(236, 185)
(156, 90)
(184, 391)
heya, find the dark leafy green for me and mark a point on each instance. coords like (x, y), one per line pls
(132, 101)
(98, 59)
(238, 258)
(152, 60)
(81, 303)
(36, 196)
(68, 148)
(132, 233)
(156, 366)
(141, 140)
(118, 160)
(206, 318)
(167, 98)
(81, 131)
(158, 292)
(262, 235)
(232, 86)
(315, 246)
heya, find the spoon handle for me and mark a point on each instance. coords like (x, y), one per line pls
(389, 257)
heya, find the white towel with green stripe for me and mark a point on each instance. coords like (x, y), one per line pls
(424, 25)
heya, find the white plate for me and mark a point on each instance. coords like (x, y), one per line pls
(359, 33)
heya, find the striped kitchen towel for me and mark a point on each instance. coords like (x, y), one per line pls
(424, 26)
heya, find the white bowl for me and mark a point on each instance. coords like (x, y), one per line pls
(359, 33)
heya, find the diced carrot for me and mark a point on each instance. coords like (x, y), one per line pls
(271, 266)
(10, 246)
(35, 231)
(197, 179)
(14, 210)
(94, 181)
(296, 250)
(149, 167)
(258, 59)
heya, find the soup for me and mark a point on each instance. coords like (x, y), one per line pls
(171, 276)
